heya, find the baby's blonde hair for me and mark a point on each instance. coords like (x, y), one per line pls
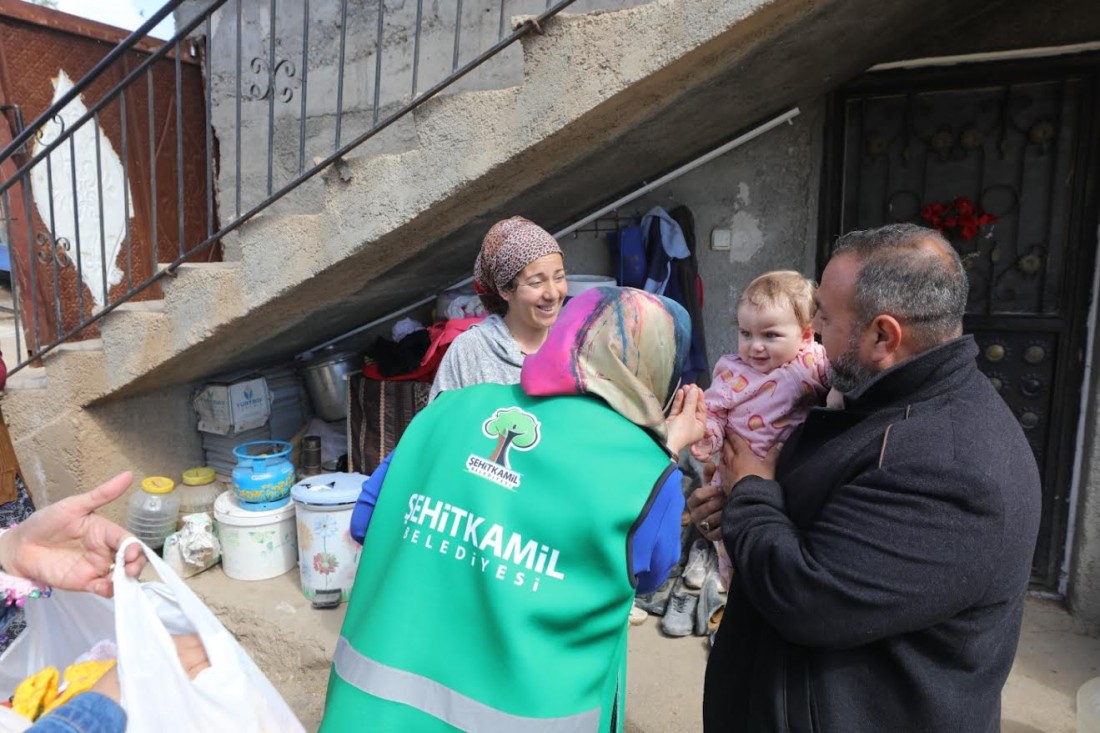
(782, 289)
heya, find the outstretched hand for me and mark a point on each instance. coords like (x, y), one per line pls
(687, 418)
(68, 546)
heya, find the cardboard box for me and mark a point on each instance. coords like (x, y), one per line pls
(230, 408)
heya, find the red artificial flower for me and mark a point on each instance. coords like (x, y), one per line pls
(960, 218)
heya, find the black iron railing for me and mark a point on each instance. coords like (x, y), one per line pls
(172, 159)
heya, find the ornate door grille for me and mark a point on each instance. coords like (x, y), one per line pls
(1019, 143)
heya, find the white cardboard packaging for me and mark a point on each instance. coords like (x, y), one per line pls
(225, 409)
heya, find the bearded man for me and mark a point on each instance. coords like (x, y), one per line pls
(882, 557)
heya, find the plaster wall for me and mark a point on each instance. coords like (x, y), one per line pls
(765, 192)
(1083, 592)
(64, 450)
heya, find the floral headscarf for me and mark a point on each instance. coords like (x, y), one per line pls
(509, 246)
(623, 345)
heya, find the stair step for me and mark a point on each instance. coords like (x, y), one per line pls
(27, 378)
(86, 345)
(142, 306)
(163, 266)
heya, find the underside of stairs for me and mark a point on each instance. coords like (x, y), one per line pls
(609, 99)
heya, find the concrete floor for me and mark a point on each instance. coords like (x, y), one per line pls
(293, 642)
(665, 678)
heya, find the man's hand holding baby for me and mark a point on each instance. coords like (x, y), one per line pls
(738, 461)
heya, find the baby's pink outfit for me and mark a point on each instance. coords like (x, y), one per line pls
(761, 408)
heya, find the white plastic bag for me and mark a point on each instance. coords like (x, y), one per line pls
(232, 695)
(59, 629)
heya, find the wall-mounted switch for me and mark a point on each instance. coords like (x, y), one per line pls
(721, 239)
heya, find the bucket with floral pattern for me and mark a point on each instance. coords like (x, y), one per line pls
(327, 555)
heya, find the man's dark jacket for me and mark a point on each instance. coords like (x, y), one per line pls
(879, 581)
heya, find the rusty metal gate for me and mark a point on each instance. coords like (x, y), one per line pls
(56, 290)
(1002, 159)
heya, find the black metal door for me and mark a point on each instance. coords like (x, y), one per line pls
(1002, 159)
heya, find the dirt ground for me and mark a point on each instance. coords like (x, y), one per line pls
(293, 643)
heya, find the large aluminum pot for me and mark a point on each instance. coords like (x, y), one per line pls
(325, 376)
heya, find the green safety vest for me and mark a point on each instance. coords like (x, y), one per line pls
(493, 589)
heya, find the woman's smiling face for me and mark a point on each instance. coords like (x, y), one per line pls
(540, 289)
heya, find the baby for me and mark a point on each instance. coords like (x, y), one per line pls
(765, 390)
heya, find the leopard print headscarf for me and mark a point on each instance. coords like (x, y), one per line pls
(508, 247)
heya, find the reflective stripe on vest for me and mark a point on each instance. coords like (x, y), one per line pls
(453, 708)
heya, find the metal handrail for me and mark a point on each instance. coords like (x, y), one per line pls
(37, 347)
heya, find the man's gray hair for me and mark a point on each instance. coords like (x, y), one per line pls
(900, 276)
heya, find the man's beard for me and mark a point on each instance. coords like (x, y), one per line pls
(846, 374)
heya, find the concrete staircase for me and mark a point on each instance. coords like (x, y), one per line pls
(609, 99)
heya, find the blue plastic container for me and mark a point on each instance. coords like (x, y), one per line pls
(264, 474)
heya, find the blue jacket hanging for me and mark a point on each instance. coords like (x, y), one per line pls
(628, 256)
(664, 242)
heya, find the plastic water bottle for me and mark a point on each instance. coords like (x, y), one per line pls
(153, 511)
(1088, 707)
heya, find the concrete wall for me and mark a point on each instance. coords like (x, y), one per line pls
(765, 191)
(1083, 592)
(64, 451)
(273, 103)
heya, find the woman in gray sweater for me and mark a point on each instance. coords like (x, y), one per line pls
(519, 275)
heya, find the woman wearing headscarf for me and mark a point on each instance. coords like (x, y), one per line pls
(516, 525)
(519, 275)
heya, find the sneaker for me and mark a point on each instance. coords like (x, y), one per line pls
(679, 617)
(702, 559)
(637, 615)
(711, 606)
(654, 603)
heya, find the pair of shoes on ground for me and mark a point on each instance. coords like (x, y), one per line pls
(702, 561)
(656, 602)
(688, 613)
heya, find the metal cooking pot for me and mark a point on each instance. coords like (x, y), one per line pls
(325, 377)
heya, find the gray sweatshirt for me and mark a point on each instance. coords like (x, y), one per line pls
(486, 353)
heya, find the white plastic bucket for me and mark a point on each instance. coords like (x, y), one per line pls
(1088, 707)
(327, 555)
(580, 283)
(255, 545)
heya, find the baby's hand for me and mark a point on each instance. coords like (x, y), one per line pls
(834, 400)
(699, 452)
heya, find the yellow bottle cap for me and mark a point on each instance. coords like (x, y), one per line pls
(198, 476)
(158, 485)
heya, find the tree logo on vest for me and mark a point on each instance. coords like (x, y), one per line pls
(513, 429)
